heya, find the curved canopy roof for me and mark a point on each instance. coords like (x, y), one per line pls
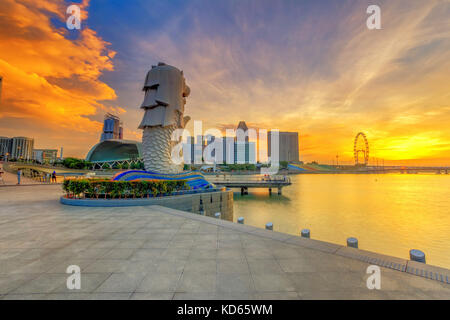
(115, 150)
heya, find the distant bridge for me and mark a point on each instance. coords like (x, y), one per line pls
(411, 169)
(322, 168)
(244, 182)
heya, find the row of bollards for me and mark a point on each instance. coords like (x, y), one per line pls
(414, 254)
(305, 233)
(417, 255)
(352, 242)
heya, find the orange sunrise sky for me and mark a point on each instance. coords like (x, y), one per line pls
(306, 66)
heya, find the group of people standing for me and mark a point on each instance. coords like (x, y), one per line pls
(44, 178)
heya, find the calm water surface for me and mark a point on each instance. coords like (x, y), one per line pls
(388, 213)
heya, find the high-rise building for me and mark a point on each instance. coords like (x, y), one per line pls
(112, 128)
(228, 150)
(288, 146)
(5, 147)
(21, 148)
(245, 151)
(45, 155)
(242, 126)
(188, 150)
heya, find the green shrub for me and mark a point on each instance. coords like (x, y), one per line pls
(93, 188)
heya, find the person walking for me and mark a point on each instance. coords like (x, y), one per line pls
(54, 176)
(19, 174)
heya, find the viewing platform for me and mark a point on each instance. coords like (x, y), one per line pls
(153, 252)
(244, 182)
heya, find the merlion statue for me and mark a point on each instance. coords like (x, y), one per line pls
(165, 96)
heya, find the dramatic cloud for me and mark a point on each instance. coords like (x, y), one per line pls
(318, 70)
(306, 66)
(51, 83)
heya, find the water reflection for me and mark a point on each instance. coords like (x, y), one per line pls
(389, 213)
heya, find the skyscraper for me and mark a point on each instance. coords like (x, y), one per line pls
(5, 146)
(112, 128)
(22, 148)
(288, 146)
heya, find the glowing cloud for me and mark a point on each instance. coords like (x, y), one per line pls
(50, 83)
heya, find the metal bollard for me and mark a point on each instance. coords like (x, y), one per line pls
(352, 242)
(305, 233)
(217, 215)
(240, 220)
(417, 255)
(269, 226)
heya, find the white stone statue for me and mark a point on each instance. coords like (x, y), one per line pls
(165, 96)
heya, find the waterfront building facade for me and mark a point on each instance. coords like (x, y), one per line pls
(5, 147)
(16, 148)
(45, 155)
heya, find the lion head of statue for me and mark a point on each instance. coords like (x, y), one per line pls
(165, 96)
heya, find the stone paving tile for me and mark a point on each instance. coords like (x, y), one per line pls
(264, 266)
(12, 281)
(258, 253)
(37, 266)
(288, 295)
(35, 296)
(232, 266)
(89, 282)
(61, 267)
(106, 266)
(121, 283)
(213, 296)
(119, 253)
(229, 244)
(296, 265)
(152, 296)
(230, 253)
(175, 253)
(272, 282)
(109, 296)
(197, 282)
(197, 253)
(236, 282)
(160, 253)
(45, 283)
(164, 266)
(344, 295)
(130, 244)
(201, 266)
(146, 254)
(154, 282)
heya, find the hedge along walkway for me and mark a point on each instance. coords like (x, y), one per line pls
(159, 253)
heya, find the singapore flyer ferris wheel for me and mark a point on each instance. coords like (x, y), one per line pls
(361, 146)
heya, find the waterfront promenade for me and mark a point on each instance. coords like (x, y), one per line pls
(159, 253)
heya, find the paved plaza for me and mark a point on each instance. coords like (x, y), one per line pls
(159, 253)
